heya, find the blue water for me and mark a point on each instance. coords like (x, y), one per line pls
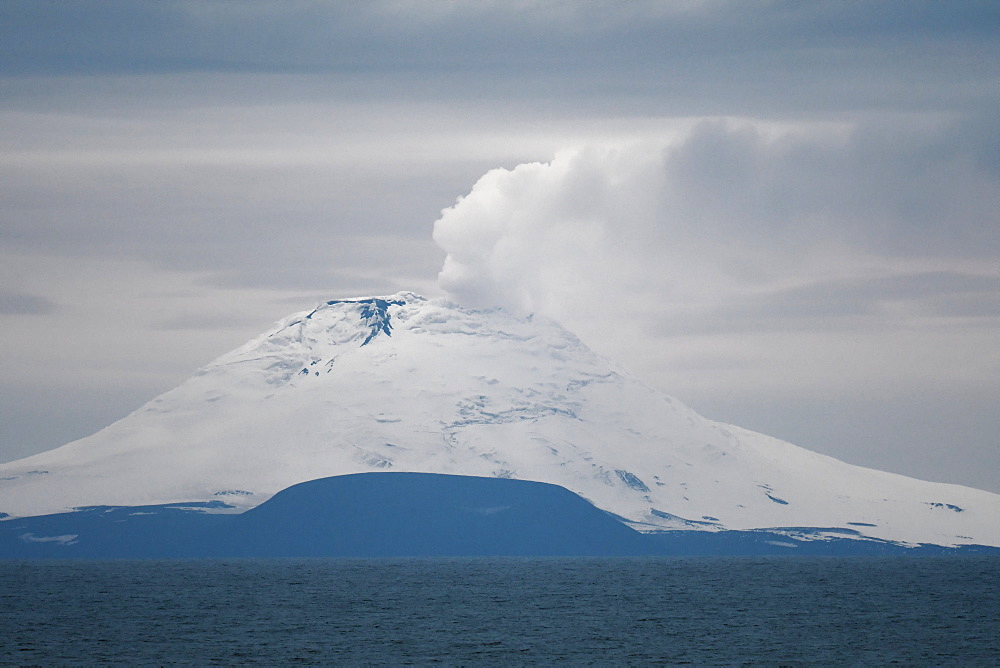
(707, 611)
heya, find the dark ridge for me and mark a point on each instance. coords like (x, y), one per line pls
(374, 311)
(632, 480)
(949, 506)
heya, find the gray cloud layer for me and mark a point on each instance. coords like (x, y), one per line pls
(22, 304)
(743, 55)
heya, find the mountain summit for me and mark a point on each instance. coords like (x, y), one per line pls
(403, 383)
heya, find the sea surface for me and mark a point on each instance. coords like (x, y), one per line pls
(655, 611)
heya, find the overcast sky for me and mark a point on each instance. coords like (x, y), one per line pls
(784, 214)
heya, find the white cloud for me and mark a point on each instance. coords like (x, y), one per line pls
(550, 237)
(737, 245)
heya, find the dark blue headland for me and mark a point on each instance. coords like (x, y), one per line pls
(405, 514)
(423, 514)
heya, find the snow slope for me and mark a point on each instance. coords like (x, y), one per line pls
(402, 383)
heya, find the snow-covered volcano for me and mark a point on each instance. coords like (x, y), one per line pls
(403, 383)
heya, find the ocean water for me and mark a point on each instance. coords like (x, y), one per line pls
(656, 611)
